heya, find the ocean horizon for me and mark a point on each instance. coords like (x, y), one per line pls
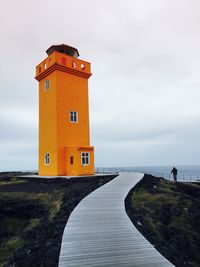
(185, 172)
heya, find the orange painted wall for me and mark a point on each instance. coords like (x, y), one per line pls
(57, 135)
(72, 95)
(48, 127)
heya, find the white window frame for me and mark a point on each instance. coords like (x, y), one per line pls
(73, 116)
(47, 85)
(85, 156)
(47, 159)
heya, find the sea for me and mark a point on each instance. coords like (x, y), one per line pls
(185, 173)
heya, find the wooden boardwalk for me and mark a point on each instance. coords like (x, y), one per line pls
(100, 234)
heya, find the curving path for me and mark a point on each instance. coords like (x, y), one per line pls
(99, 232)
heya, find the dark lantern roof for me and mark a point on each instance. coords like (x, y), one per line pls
(63, 48)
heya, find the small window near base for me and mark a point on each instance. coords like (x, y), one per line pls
(71, 160)
(47, 85)
(73, 116)
(85, 158)
(46, 159)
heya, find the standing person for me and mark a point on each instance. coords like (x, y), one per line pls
(174, 172)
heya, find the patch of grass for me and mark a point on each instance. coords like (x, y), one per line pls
(8, 247)
(177, 221)
(32, 224)
(44, 197)
(139, 197)
(51, 202)
(165, 187)
(31, 208)
(142, 197)
(12, 225)
(55, 203)
(12, 181)
(23, 211)
(169, 217)
(151, 224)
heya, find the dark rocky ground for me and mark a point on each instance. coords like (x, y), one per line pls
(168, 215)
(33, 214)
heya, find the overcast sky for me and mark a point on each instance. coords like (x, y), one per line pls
(145, 88)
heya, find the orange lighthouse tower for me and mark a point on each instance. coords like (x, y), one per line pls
(64, 138)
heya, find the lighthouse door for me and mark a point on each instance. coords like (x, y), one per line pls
(71, 160)
(71, 165)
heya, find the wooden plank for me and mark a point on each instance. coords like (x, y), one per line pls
(100, 234)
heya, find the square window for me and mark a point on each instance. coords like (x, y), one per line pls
(46, 159)
(85, 158)
(47, 85)
(73, 116)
